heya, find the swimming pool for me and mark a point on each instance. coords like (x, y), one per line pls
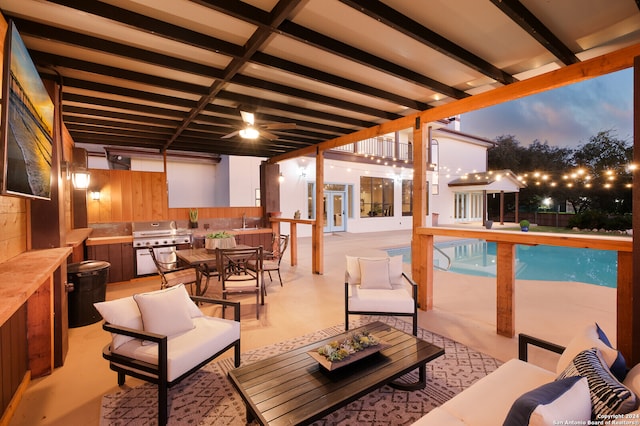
(544, 263)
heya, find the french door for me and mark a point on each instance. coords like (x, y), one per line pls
(334, 211)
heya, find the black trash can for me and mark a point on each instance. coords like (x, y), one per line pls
(89, 280)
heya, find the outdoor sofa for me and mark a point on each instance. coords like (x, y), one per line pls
(590, 385)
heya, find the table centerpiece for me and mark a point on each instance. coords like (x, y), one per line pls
(355, 346)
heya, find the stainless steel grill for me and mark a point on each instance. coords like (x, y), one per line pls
(163, 237)
(159, 234)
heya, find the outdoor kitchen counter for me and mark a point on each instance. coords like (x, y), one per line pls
(76, 239)
(201, 233)
(116, 239)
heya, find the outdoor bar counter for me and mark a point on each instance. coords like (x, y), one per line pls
(26, 315)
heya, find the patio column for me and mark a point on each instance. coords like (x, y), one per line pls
(421, 271)
(629, 295)
(317, 232)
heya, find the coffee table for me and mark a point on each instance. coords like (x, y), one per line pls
(292, 388)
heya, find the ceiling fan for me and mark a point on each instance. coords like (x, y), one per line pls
(252, 131)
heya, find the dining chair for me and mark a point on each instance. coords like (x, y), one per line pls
(237, 277)
(172, 274)
(271, 261)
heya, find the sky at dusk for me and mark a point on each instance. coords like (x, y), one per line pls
(565, 117)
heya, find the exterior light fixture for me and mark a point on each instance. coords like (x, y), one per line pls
(249, 133)
(81, 179)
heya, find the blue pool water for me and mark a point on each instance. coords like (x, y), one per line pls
(544, 263)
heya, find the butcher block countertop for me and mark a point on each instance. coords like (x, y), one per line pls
(75, 237)
(23, 274)
(117, 239)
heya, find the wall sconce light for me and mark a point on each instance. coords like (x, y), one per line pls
(81, 179)
(95, 195)
(303, 172)
(281, 178)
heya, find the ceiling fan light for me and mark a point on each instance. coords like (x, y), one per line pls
(249, 133)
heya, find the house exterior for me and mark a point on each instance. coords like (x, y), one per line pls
(348, 194)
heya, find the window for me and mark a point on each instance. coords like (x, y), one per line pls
(407, 197)
(376, 196)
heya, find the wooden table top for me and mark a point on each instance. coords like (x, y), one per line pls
(199, 256)
(292, 388)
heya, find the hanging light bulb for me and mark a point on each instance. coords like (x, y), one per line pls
(280, 178)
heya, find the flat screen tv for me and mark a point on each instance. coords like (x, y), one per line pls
(27, 124)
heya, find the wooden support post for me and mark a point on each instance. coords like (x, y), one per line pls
(423, 246)
(629, 311)
(625, 302)
(317, 243)
(505, 286)
(293, 243)
(418, 266)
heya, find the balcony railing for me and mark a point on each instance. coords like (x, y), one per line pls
(379, 147)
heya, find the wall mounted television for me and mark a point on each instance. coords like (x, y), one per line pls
(26, 125)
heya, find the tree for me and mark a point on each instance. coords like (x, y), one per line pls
(604, 162)
(539, 158)
(506, 154)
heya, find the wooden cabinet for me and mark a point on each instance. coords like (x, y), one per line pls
(254, 240)
(120, 256)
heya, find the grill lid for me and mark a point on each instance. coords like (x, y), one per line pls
(154, 229)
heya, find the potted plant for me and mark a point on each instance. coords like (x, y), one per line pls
(524, 225)
(220, 239)
(193, 218)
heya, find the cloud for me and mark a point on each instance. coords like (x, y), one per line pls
(566, 116)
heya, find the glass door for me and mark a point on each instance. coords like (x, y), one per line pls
(334, 211)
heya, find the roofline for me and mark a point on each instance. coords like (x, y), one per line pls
(478, 139)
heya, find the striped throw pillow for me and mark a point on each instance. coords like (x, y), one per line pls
(608, 395)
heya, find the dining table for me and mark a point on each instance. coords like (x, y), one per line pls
(203, 260)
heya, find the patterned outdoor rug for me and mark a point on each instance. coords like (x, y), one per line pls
(208, 397)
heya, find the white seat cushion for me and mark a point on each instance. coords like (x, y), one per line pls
(209, 336)
(376, 300)
(487, 401)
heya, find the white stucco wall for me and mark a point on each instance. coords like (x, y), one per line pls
(457, 156)
(294, 195)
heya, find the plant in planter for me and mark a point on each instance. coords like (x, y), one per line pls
(193, 218)
(524, 225)
(220, 239)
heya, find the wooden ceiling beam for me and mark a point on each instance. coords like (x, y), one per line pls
(536, 29)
